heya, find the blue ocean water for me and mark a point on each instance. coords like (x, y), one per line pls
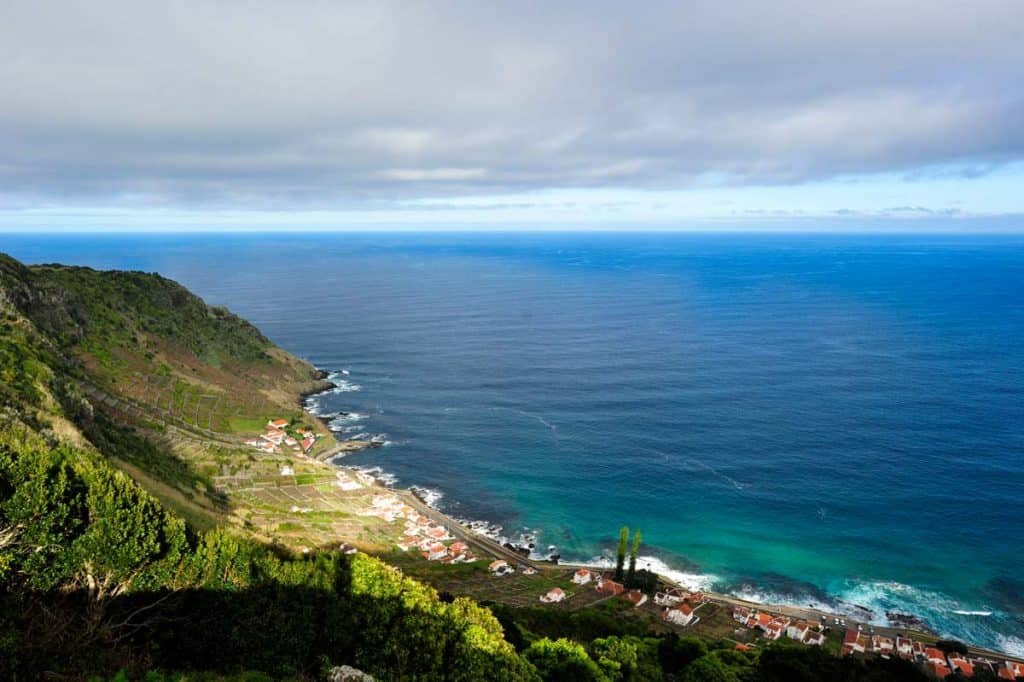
(805, 418)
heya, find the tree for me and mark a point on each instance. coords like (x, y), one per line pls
(630, 577)
(707, 669)
(563, 659)
(620, 559)
(617, 656)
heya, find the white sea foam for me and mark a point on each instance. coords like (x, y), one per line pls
(344, 386)
(1011, 645)
(385, 478)
(691, 581)
(430, 496)
(760, 596)
(986, 614)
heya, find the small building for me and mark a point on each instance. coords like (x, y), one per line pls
(798, 630)
(852, 642)
(436, 551)
(680, 614)
(553, 596)
(609, 587)
(582, 576)
(904, 646)
(408, 542)
(741, 614)
(933, 655)
(961, 666)
(636, 597)
(671, 597)
(438, 532)
(939, 670)
(458, 547)
(277, 424)
(881, 645)
(287, 471)
(814, 638)
(307, 443)
(774, 631)
(500, 567)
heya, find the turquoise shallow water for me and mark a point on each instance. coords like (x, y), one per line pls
(815, 419)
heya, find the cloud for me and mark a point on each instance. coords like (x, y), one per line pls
(332, 104)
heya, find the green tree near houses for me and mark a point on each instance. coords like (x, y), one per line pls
(631, 575)
(620, 560)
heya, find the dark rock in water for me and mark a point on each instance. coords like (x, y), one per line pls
(554, 558)
(906, 620)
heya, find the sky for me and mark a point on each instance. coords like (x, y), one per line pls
(895, 115)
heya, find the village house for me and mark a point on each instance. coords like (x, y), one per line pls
(458, 547)
(962, 666)
(671, 597)
(939, 670)
(582, 576)
(408, 542)
(500, 567)
(680, 614)
(933, 655)
(1011, 670)
(881, 645)
(853, 641)
(435, 552)
(774, 630)
(438, 532)
(797, 630)
(636, 597)
(609, 587)
(904, 647)
(814, 638)
(553, 596)
(277, 424)
(287, 470)
(741, 614)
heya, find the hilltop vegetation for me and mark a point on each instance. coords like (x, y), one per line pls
(121, 551)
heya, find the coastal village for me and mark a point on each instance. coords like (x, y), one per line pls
(677, 607)
(280, 434)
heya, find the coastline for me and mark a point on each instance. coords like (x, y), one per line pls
(488, 536)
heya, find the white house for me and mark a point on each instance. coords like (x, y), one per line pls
(636, 597)
(582, 577)
(797, 630)
(814, 638)
(681, 614)
(669, 597)
(287, 471)
(554, 595)
(500, 567)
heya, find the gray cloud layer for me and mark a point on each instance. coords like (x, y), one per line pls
(305, 103)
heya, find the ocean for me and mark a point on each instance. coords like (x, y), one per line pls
(834, 420)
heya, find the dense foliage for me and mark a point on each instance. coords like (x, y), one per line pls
(97, 575)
